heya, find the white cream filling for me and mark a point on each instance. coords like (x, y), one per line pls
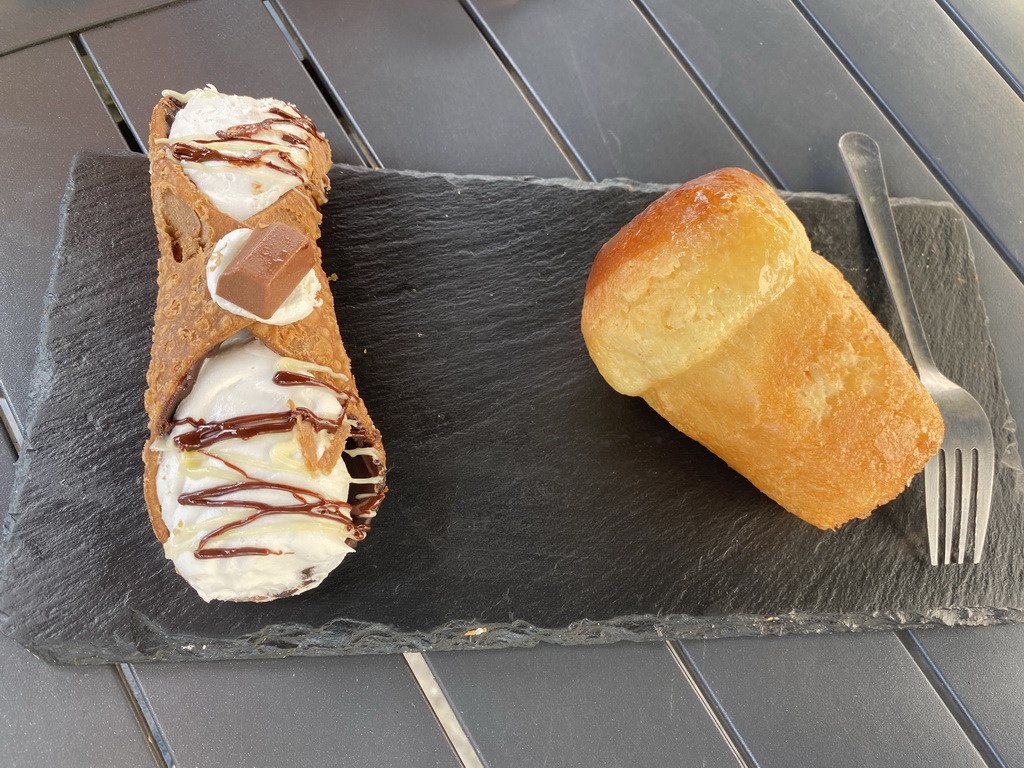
(238, 191)
(300, 302)
(234, 381)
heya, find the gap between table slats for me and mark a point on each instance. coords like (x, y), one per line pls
(952, 190)
(106, 95)
(448, 720)
(990, 56)
(706, 90)
(529, 94)
(341, 113)
(717, 713)
(949, 697)
(155, 738)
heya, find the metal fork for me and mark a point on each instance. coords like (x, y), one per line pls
(959, 477)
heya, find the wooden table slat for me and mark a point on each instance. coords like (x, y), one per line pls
(61, 716)
(850, 700)
(622, 100)
(359, 710)
(985, 666)
(613, 705)
(141, 56)
(998, 29)
(740, 51)
(944, 93)
(50, 112)
(439, 100)
(22, 24)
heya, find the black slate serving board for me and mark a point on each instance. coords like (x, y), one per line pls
(528, 498)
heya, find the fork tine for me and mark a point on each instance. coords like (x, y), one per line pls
(948, 503)
(931, 500)
(965, 463)
(986, 470)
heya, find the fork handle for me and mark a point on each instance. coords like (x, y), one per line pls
(863, 162)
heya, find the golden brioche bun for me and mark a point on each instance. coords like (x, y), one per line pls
(712, 306)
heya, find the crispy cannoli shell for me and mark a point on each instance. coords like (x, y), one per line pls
(188, 324)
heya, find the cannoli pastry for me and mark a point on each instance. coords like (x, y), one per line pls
(712, 306)
(262, 468)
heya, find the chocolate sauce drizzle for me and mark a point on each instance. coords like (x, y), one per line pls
(206, 433)
(362, 469)
(307, 502)
(203, 154)
(295, 379)
(248, 130)
(196, 151)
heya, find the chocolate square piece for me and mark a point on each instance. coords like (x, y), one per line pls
(266, 270)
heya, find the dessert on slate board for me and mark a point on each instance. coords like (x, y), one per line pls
(712, 306)
(262, 468)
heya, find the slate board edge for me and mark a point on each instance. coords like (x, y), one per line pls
(39, 378)
(342, 638)
(608, 183)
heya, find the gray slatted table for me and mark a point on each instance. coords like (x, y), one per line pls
(658, 90)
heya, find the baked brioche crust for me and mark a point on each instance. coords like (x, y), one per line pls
(787, 377)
